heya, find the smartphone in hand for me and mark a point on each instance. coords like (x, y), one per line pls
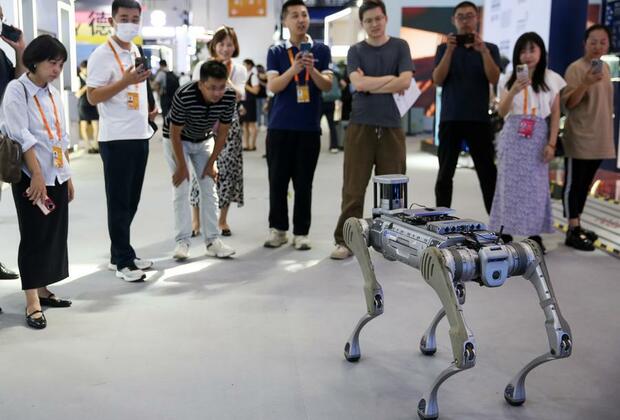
(305, 48)
(11, 32)
(142, 61)
(523, 72)
(597, 66)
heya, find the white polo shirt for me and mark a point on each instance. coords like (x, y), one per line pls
(116, 120)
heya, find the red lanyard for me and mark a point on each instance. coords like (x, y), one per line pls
(290, 56)
(56, 119)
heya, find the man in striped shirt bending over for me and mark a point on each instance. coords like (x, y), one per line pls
(201, 110)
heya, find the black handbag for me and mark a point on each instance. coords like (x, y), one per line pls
(11, 156)
(10, 160)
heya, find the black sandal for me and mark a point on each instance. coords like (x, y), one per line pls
(54, 302)
(226, 232)
(36, 323)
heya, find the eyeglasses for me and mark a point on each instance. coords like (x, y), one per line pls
(468, 16)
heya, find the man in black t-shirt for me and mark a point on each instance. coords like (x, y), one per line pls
(465, 66)
(9, 72)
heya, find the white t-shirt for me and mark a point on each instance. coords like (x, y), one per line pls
(239, 75)
(542, 101)
(116, 120)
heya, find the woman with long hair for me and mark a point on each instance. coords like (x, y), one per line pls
(530, 103)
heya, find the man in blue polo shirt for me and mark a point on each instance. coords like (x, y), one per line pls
(297, 73)
(465, 66)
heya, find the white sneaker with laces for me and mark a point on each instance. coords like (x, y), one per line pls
(218, 249)
(131, 274)
(301, 242)
(181, 251)
(140, 263)
(276, 238)
(341, 252)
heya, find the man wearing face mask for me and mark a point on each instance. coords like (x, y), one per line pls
(119, 90)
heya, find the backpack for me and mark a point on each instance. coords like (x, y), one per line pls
(334, 93)
(172, 84)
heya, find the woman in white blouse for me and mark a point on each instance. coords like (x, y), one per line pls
(34, 117)
(530, 103)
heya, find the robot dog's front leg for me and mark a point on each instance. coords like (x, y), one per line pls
(356, 237)
(434, 270)
(558, 330)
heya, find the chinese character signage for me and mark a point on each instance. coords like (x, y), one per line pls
(92, 27)
(247, 8)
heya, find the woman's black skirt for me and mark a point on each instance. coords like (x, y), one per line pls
(42, 257)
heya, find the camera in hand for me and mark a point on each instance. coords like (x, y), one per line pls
(305, 47)
(597, 66)
(142, 61)
(463, 39)
(10, 32)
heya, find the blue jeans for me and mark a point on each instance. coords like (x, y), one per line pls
(196, 157)
(261, 116)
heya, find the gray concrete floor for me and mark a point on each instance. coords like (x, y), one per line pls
(261, 336)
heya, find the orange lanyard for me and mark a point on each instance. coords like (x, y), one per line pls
(56, 119)
(290, 56)
(118, 59)
(525, 96)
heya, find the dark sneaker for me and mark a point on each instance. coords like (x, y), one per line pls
(577, 239)
(591, 235)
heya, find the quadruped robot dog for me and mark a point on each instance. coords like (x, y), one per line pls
(448, 251)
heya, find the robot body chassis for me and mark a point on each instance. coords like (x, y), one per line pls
(448, 252)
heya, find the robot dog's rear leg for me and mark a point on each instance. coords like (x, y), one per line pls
(558, 330)
(434, 271)
(355, 236)
(428, 343)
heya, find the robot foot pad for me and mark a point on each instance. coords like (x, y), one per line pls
(422, 408)
(509, 397)
(426, 350)
(351, 357)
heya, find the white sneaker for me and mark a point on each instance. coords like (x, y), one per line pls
(276, 238)
(131, 274)
(218, 249)
(181, 251)
(334, 150)
(141, 264)
(341, 252)
(301, 242)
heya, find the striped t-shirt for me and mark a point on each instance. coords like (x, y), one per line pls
(196, 115)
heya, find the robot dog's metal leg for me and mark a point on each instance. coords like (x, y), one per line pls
(355, 236)
(558, 330)
(434, 271)
(428, 343)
